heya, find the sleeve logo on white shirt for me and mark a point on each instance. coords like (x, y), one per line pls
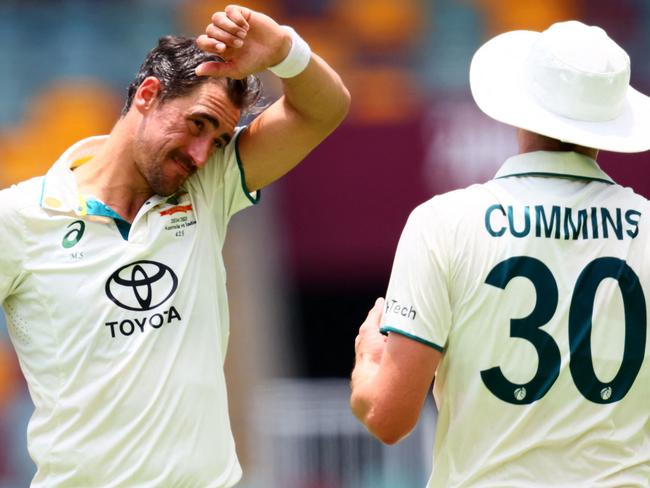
(392, 306)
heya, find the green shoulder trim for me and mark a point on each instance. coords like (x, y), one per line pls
(557, 175)
(258, 195)
(386, 330)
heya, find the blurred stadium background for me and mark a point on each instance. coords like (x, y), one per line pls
(307, 264)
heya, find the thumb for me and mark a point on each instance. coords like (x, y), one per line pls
(376, 311)
(215, 68)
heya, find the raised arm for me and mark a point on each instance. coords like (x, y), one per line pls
(314, 102)
(391, 378)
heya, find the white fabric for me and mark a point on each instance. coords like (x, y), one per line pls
(561, 211)
(570, 82)
(570, 76)
(126, 377)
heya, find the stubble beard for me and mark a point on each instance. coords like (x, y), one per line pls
(151, 169)
(157, 181)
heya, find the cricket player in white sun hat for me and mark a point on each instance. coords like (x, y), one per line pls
(526, 297)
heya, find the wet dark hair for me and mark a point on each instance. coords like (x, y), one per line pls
(173, 62)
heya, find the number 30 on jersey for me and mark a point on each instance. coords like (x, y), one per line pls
(580, 326)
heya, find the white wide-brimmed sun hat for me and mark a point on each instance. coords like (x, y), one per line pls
(570, 82)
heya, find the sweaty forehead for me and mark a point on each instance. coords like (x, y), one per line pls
(211, 98)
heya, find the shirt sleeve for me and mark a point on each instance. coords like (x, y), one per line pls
(237, 196)
(417, 300)
(223, 183)
(10, 245)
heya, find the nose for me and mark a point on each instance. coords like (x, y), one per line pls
(199, 150)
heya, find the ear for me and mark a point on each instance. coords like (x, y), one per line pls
(147, 94)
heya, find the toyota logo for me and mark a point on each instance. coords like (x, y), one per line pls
(140, 286)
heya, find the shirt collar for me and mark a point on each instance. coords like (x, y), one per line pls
(553, 163)
(60, 191)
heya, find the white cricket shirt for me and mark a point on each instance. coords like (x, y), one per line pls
(122, 342)
(535, 285)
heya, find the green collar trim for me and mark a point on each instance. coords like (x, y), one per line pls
(557, 175)
(97, 207)
(554, 164)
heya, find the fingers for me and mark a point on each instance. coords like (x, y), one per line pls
(238, 15)
(205, 43)
(228, 28)
(222, 39)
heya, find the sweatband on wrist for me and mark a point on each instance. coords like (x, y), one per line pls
(297, 59)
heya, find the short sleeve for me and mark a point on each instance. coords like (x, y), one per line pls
(417, 300)
(223, 183)
(11, 247)
(236, 195)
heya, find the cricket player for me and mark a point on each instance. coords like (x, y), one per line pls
(527, 297)
(111, 272)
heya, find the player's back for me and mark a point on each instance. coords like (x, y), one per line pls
(545, 378)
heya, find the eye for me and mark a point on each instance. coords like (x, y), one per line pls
(198, 124)
(218, 143)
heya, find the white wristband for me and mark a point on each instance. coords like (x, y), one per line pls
(297, 59)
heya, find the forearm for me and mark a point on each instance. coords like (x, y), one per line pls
(389, 384)
(313, 105)
(361, 385)
(375, 407)
(317, 96)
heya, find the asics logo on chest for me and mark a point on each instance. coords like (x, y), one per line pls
(74, 235)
